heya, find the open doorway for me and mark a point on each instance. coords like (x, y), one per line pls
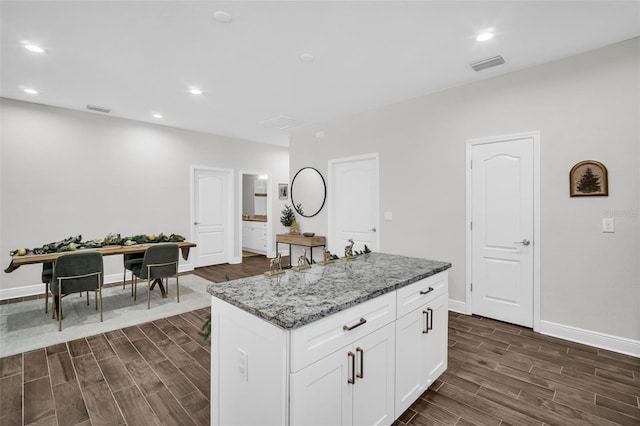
(255, 205)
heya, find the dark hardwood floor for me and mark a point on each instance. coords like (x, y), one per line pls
(158, 373)
(250, 266)
(153, 373)
(502, 374)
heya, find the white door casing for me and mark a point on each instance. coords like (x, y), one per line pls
(503, 228)
(353, 203)
(212, 203)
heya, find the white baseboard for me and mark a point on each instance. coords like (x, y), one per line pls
(591, 338)
(23, 291)
(574, 334)
(33, 290)
(457, 306)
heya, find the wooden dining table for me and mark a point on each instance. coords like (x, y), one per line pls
(31, 259)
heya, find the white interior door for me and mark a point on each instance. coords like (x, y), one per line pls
(211, 216)
(502, 176)
(353, 203)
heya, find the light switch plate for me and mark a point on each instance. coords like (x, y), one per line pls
(608, 224)
(387, 215)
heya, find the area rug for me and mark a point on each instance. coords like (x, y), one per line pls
(24, 326)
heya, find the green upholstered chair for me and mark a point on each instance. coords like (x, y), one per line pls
(129, 260)
(160, 262)
(75, 273)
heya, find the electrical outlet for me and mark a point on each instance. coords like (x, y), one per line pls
(608, 224)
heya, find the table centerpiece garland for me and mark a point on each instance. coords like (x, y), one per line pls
(76, 243)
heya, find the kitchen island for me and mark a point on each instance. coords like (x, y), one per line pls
(353, 342)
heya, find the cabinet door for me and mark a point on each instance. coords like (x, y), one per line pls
(411, 374)
(373, 395)
(421, 350)
(435, 343)
(253, 238)
(320, 394)
(246, 237)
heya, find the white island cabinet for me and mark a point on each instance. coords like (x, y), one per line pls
(352, 343)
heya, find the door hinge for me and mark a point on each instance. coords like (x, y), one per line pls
(471, 225)
(471, 164)
(471, 286)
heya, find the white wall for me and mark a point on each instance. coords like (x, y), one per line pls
(585, 107)
(66, 173)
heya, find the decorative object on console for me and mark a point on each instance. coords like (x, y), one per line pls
(588, 178)
(275, 266)
(294, 227)
(308, 234)
(287, 216)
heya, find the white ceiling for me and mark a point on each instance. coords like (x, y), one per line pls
(141, 57)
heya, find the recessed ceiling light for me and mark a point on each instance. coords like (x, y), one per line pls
(34, 48)
(485, 36)
(307, 57)
(31, 91)
(222, 16)
(195, 91)
(156, 115)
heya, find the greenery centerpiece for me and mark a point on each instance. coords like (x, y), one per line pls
(74, 243)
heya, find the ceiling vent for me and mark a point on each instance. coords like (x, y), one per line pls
(99, 109)
(282, 122)
(487, 63)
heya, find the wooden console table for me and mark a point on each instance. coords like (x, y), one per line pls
(301, 240)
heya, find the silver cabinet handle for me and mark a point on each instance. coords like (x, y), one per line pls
(360, 375)
(429, 290)
(428, 324)
(352, 359)
(524, 242)
(351, 327)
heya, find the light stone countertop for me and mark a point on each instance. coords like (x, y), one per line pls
(295, 299)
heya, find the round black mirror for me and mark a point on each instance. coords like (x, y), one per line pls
(308, 192)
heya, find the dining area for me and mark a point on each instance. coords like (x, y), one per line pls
(150, 266)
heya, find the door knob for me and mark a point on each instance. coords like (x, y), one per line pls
(372, 229)
(524, 242)
(196, 223)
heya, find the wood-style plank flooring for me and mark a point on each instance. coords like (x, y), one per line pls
(250, 266)
(502, 374)
(150, 374)
(158, 373)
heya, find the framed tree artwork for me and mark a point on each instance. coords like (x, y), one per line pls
(283, 191)
(588, 178)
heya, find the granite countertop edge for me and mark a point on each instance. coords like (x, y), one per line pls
(308, 319)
